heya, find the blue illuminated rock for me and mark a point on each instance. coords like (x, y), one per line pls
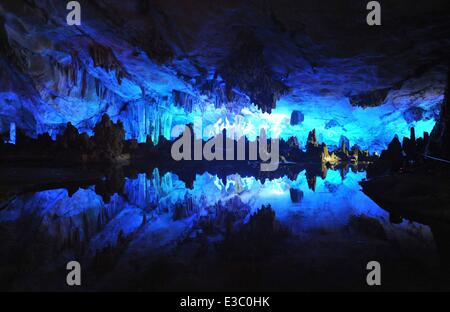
(297, 118)
(331, 124)
(413, 114)
(296, 195)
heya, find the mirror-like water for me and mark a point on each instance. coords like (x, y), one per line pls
(155, 230)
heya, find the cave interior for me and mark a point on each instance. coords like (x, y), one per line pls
(89, 113)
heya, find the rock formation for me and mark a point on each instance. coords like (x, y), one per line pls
(296, 118)
(109, 138)
(439, 143)
(391, 159)
(142, 62)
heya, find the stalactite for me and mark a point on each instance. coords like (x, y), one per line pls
(141, 192)
(184, 100)
(104, 57)
(217, 93)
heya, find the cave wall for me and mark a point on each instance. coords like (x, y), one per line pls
(153, 66)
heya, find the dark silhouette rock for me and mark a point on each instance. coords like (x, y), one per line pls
(296, 195)
(246, 69)
(409, 146)
(368, 226)
(104, 57)
(69, 138)
(369, 99)
(391, 160)
(293, 143)
(311, 142)
(297, 117)
(109, 138)
(413, 114)
(344, 144)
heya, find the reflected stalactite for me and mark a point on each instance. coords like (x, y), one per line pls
(311, 182)
(296, 195)
(185, 208)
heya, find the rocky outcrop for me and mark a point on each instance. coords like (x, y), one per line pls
(297, 118)
(104, 57)
(126, 59)
(255, 238)
(184, 208)
(105, 146)
(439, 144)
(311, 142)
(413, 151)
(413, 114)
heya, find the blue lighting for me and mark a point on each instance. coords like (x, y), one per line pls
(370, 128)
(331, 205)
(150, 110)
(12, 133)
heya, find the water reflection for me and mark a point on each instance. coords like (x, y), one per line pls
(152, 224)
